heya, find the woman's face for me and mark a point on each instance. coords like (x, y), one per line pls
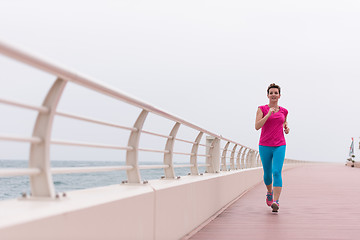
(273, 94)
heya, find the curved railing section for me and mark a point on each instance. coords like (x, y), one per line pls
(231, 156)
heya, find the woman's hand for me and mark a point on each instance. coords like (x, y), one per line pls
(286, 129)
(271, 111)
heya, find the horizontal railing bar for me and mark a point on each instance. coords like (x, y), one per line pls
(182, 153)
(152, 150)
(20, 139)
(183, 140)
(152, 166)
(183, 165)
(84, 144)
(203, 155)
(12, 172)
(69, 75)
(63, 170)
(200, 144)
(156, 134)
(41, 109)
(204, 165)
(92, 120)
(228, 140)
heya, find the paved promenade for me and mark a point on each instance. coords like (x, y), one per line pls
(318, 202)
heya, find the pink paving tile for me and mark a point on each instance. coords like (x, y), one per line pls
(317, 202)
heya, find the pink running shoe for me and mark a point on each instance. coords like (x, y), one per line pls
(275, 206)
(269, 198)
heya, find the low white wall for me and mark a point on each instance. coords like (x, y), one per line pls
(114, 212)
(182, 206)
(161, 209)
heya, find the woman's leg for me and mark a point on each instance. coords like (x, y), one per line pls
(278, 162)
(266, 156)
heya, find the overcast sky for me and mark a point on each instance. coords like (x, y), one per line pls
(208, 62)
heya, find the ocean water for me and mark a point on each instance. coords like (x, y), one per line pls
(13, 187)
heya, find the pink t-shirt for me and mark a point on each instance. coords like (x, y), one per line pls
(272, 133)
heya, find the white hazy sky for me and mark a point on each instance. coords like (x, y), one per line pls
(210, 62)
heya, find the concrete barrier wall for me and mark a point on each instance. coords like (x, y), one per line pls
(114, 212)
(184, 206)
(161, 209)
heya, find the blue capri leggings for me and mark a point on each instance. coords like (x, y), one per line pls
(272, 159)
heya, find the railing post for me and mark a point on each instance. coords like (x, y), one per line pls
(133, 174)
(223, 157)
(42, 184)
(238, 166)
(248, 159)
(213, 149)
(258, 159)
(243, 163)
(253, 159)
(232, 156)
(193, 159)
(168, 157)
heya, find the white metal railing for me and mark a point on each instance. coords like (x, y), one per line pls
(39, 170)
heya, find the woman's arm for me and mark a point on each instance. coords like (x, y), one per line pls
(286, 129)
(260, 120)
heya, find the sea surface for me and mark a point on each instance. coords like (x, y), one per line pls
(13, 187)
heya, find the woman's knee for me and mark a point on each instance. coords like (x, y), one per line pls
(277, 174)
(267, 179)
(277, 179)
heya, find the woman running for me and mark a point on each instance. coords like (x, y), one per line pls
(271, 119)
